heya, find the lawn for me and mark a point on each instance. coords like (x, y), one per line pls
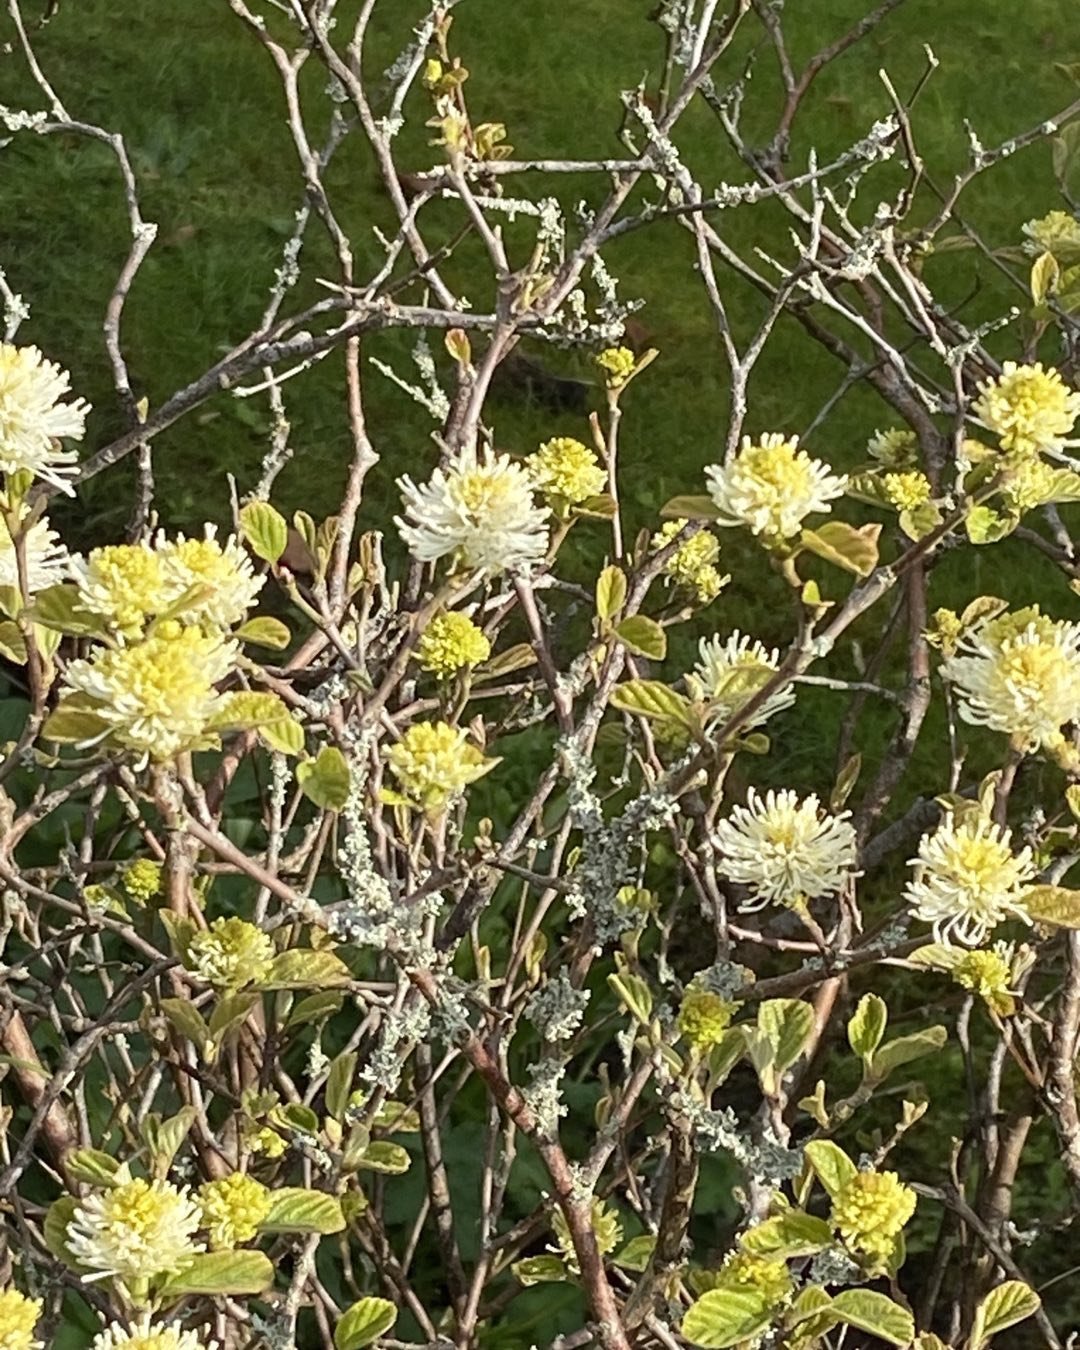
(200, 107)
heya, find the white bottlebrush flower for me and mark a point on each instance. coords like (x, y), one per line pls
(135, 1231)
(224, 571)
(33, 420)
(479, 510)
(158, 695)
(730, 673)
(968, 880)
(146, 1336)
(771, 486)
(1019, 674)
(47, 560)
(1030, 409)
(784, 850)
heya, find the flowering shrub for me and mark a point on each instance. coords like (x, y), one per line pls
(407, 909)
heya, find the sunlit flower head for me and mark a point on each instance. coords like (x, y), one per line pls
(134, 1231)
(147, 1336)
(231, 954)
(1057, 232)
(224, 571)
(990, 974)
(233, 1207)
(907, 491)
(894, 448)
(480, 511)
(124, 585)
(967, 879)
(156, 696)
(870, 1212)
(1028, 408)
(729, 674)
(693, 564)
(434, 762)
(1019, 674)
(451, 642)
(566, 471)
(771, 486)
(784, 850)
(18, 1317)
(704, 1016)
(767, 1276)
(618, 364)
(47, 560)
(141, 878)
(33, 420)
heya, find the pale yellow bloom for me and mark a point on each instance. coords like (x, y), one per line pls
(1029, 409)
(988, 973)
(618, 364)
(764, 1275)
(606, 1226)
(47, 561)
(232, 1209)
(566, 471)
(223, 573)
(729, 674)
(870, 1212)
(693, 564)
(156, 696)
(134, 1231)
(771, 486)
(704, 1017)
(907, 491)
(451, 642)
(1019, 674)
(125, 585)
(231, 954)
(1057, 232)
(147, 1336)
(33, 421)
(434, 763)
(785, 850)
(967, 879)
(894, 448)
(479, 511)
(18, 1318)
(141, 879)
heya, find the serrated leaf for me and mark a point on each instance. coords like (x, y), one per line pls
(875, 1313)
(91, 1166)
(611, 590)
(296, 1210)
(540, 1270)
(314, 1008)
(265, 530)
(724, 1317)
(230, 1012)
(644, 637)
(855, 550)
(505, 663)
(325, 779)
(216, 1273)
(302, 968)
(1058, 906)
(1011, 1302)
(397, 1118)
(920, 520)
(73, 725)
(163, 1138)
(365, 1321)
(601, 507)
(832, 1166)
(984, 525)
(867, 1026)
(265, 631)
(339, 1083)
(651, 698)
(905, 1049)
(724, 1055)
(57, 607)
(284, 735)
(787, 1022)
(187, 1020)
(180, 931)
(690, 508)
(787, 1235)
(383, 1156)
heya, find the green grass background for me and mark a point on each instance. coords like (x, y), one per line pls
(200, 106)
